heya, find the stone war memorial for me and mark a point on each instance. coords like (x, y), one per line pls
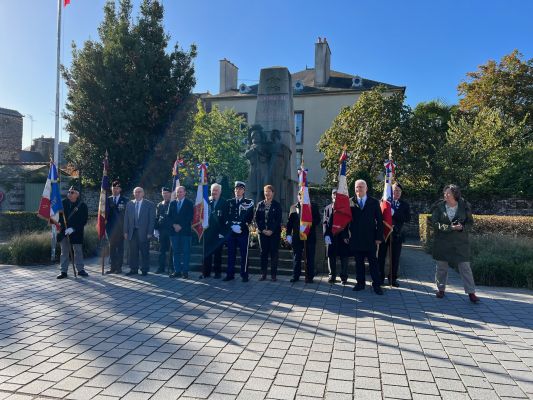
(272, 142)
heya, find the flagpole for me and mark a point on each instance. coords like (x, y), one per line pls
(58, 64)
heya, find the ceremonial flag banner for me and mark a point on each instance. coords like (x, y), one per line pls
(386, 203)
(176, 176)
(342, 213)
(66, 3)
(103, 208)
(50, 205)
(200, 220)
(306, 218)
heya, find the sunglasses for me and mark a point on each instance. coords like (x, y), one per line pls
(71, 192)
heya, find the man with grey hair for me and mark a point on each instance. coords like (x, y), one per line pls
(139, 221)
(214, 235)
(366, 232)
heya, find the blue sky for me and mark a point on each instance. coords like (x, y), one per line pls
(427, 46)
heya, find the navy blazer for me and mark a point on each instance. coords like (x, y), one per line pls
(183, 217)
(273, 221)
(366, 226)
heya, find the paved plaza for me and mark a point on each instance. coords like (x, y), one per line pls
(158, 338)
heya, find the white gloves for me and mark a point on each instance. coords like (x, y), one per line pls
(327, 239)
(68, 231)
(236, 228)
(289, 239)
(220, 236)
(156, 233)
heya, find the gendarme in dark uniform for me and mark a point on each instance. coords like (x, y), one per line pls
(215, 234)
(239, 213)
(162, 227)
(115, 228)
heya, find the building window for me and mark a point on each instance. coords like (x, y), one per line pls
(299, 156)
(299, 126)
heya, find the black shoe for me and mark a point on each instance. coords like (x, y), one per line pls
(228, 278)
(144, 273)
(160, 271)
(83, 273)
(132, 273)
(332, 279)
(203, 276)
(309, 280)
(217, 276)
(185, 275)
(110, 272)
(358, 288)
(245, 279)
(274, 279)
(344, 281)
(62, 275)
(378, 290)
(395, 284)
(294, 280)
(263, 278)
(175, 275)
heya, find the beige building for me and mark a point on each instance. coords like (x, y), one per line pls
(319, 95)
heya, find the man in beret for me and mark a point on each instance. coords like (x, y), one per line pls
(239, 213)
(115, 227)
(71, 232)
(162, 228)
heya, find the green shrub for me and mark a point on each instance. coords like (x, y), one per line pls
(15, 222)
(34, 247)
(512, 225)
(500, 260)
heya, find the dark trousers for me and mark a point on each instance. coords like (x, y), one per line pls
(332, 265)
(212, 255)
(360, 267)
(235, 240)
(269, 246)
(396, 251)
(297, 254)
(139, 246)
(164, 247)
(116, 251)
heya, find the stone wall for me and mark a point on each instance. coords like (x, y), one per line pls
(10, 135)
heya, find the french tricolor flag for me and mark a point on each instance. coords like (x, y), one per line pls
(342, 214)
(200, 220)
(51, 205)
(386, 201)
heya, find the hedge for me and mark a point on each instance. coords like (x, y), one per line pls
(513, 225)
(16, 222)
(34, 247)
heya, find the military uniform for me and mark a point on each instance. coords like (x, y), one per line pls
(163, 226)
(115, 231)
(212, 241)
(239, 213)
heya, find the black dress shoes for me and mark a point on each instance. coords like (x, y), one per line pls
(294, 280)
(217, 276)
(62, 275)
(132, 273)
(110, 272)
(395, 284)
(378, 290)
(228, 278)
(358, 288)
(332, 279)
(245, 279)
(144, 273)
(83, 273)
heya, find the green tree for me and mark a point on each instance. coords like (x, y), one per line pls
(127, 94)
(219, 137)
(367, 128)
(506, 86)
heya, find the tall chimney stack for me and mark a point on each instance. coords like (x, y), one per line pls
(322, 62)
(228, 76)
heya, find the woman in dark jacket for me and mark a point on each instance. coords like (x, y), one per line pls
(268, 220)
(452, 220)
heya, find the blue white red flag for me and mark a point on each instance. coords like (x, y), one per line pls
(200, 219)
(176, 176)
(386, 200)
(306, 217)
(342, 213)
(51, 205)
(103, 206)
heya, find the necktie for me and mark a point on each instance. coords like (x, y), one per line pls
(361, 203)
(179, 205)
(116, 200)
(137, 209)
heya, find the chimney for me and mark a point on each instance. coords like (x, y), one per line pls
(228, 76)
(322, 62)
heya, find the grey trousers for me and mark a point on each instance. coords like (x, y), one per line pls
(441, 276)
(65, 256)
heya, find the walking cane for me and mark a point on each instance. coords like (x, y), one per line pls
(70, 247)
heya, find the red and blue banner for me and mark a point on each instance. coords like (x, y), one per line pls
(103, 206)
(200, 220)
(51, 205)
(386, 200)
(342, 213)
(176, 176)
(306, 217)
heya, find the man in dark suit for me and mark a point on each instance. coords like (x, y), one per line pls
(401, 214)
(139, 221)
(180, 215)
(115, 228)
(238, 214)
(162, 228)
(337, 246)
(366, 231)
(293, 238)
(71, 233)
(214, 235)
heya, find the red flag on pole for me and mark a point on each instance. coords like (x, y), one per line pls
(342, 213)
(102, 204)
(66, 3)
(306, 217)
(200, 220)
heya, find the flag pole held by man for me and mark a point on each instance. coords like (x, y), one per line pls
(103, 209)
